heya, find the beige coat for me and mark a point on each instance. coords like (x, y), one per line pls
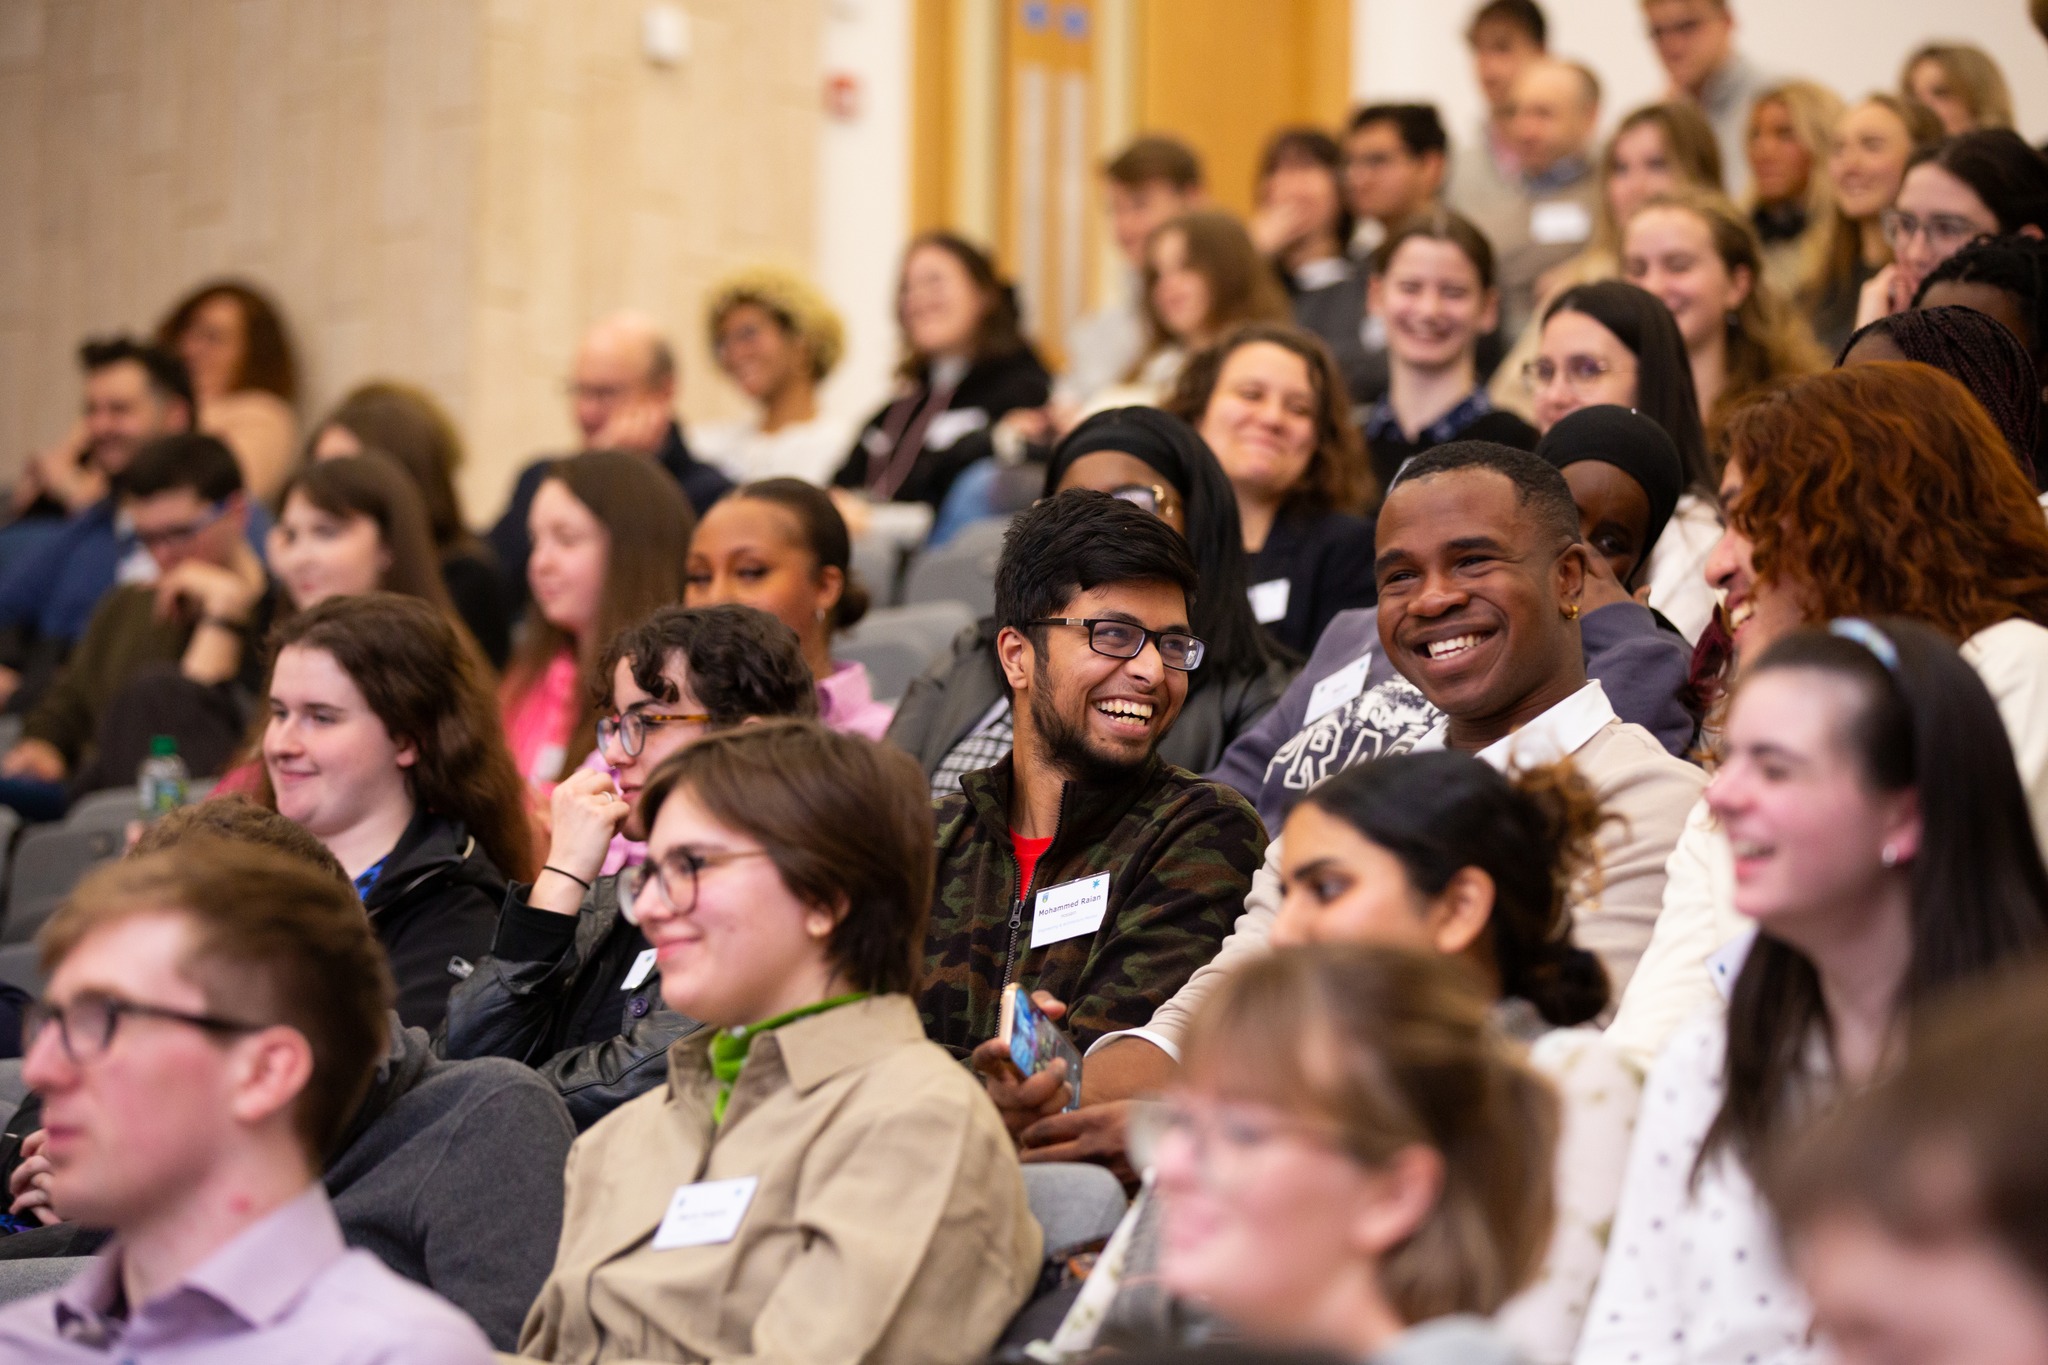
(889, 1225)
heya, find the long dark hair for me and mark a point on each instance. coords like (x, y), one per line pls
(1664, 391)
(1442, 812)
(1222, 614)
(1979, 892)
(429, 685)
(1001, 333)
(373, 485)
(408, 425)
(2001, 169)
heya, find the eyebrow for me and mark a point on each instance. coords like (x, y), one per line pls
(1311, 868)
(1130, 620)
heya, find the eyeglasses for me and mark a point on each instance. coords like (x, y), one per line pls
(1677, 28)
(1224, 1137)
(1178, 650)
(172, 536)
(630, 728)
(85, 1026)
(1579, 371)
(1946, 232)
(1150, 497)
(675, 873)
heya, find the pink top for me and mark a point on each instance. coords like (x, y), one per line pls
(537, 723)
(846, 703)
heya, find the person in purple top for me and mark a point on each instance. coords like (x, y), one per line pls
(213, 1017)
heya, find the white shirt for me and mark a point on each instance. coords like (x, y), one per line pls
(811, 451)
(1678, 566)
(1693, 1274)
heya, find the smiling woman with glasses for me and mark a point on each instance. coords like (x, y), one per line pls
(1975, 185)
(864, 1199)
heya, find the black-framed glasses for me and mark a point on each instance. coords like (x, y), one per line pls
(1150, 497)
(86, 1025)
(171, 536)
(675, 873)
(630, 728)
(1178, 650)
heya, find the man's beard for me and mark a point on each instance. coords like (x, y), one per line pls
(1064, 744)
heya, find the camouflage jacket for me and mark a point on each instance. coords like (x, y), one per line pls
(1179, 852)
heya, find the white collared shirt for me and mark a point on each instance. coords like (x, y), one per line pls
(1551, 737)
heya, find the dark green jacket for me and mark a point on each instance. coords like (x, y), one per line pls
(1179, 851)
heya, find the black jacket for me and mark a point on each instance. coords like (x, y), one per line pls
(451, 1172)
(939, 708)
(433, 907)
(989, 389)
(544, 972)
(1325, 558)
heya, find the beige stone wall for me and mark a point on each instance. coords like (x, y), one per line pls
(442, 190)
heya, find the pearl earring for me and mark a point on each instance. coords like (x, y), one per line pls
(1890, 856)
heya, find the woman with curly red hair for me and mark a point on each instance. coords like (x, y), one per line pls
(1877, 490)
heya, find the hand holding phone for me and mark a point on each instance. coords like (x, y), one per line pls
(1034, 1041)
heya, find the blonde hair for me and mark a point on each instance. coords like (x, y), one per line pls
(1840, 249)
(792, 302)
(1815, 112)
(1395, 1048)
(1689, 143)
(1973, 74)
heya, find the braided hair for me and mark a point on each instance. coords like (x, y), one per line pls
(1980, 352)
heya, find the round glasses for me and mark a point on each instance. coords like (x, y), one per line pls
(675, 874)
(1947, 233)
(1178, 650)
(630, 728)
(1578, 372)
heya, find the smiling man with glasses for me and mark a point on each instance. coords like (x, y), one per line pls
(1081, 865)
(214, 1016)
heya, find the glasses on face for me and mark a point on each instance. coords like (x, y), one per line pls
(172, 537)
(1677, 28)
(1151, 497)
(1946, 232)
(739, 334)
(1178, 650)
(630, 728)
(85, 1026)
(1222, 1137)
(1579, 372)
(675, 874)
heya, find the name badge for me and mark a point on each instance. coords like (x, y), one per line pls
(1269, 599)
(643, 967)
(1069, 910)
(1560, 221)
(946, 429)
(705, 1214)
(1337, 689)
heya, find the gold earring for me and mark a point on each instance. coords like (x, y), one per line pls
(1571, 611)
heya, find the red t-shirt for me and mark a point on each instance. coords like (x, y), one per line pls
(1028, 851)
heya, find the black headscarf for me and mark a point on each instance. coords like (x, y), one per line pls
(1222, 614)
(1632, 443)
(1983, 355)
(1664, 391)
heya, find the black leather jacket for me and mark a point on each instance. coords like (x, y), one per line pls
(520, 999)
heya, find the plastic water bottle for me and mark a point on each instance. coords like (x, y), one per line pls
(162, 780)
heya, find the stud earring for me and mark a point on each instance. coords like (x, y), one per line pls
(1890, 856)
(1571, 611)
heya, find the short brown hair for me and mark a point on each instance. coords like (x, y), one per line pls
(1338, 475)
(1153, 160)
(373, 484)
(842, 818)
(241, 820)
(405, 422)
(1396, 1049)
(274, 941)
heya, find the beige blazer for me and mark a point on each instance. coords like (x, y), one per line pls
(889, 1225)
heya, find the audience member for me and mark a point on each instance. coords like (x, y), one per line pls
(1979, 352)
(959, 718)
(609, 542)
(1440, 853)
(1269, 402)
(350, 525)
(965, 364)
(1153, 179)
(780, 545)
(1433, 291)
(622, 395)
(571, 987)
(1079, 864)
(451, 1172)
(58, 566)
(1698, 254)
(1353, 1160)
(1612, 342)
(235, 346)
(2004, 278)
(201, 621)
(1791, 131)
(256, 1005)
(1695, 41)
(1974, 185)
(1884, 851)
(383, 742)
(776, 338)
(876, 1210)
(1913, 1214)
(1202, 277)
(405, 423)
(1880, 490)
(1873, 143)
(1555, 110)
(1505, 37)
(1303, 225)
(1395, 160)
(1960, 83)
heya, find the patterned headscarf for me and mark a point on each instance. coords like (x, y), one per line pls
(1983, 355)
